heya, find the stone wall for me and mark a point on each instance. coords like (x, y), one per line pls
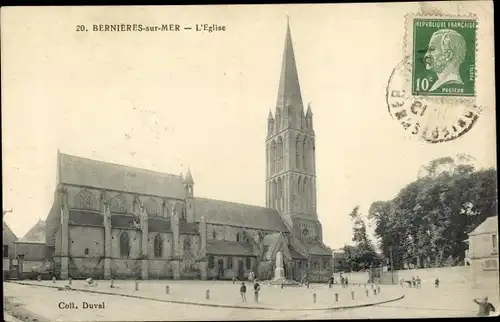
(446, 275)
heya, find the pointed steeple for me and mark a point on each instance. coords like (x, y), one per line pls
(189, 177)
(289, 88)
(309, 111)
(270, 117)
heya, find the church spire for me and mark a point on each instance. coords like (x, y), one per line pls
(289, 88)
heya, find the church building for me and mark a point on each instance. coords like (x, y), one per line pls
(114, 221)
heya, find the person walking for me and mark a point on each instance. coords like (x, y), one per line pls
(436, 283)
(419, 281)
(243, 292)
(256, 289)
(485, 307)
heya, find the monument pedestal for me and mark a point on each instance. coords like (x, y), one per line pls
(279, 272)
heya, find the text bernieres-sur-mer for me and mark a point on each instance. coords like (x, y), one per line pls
(165, 27)
(85, 305)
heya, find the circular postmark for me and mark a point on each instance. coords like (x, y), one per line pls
(431, 119)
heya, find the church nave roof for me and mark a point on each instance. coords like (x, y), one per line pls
(236, 214)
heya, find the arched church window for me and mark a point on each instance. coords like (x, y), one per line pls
(158, 246)
(304, 154)
(298, 147)
(119, 205)
(274, 154)
(85, 200)
(152, 207)
(280, 154)
(124, 244)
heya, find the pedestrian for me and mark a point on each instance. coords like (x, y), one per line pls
(413, 282)
(485, 307)
(234, 280)
(256, 289)
(346, 282)
(330, 282)
(436, 283)
(418, 282)
(243, 292)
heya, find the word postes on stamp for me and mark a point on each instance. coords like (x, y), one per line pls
(444, 56)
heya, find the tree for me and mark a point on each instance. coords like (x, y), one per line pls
(428, 220)
(362, 254)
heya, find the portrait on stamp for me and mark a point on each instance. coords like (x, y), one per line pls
(444, 57)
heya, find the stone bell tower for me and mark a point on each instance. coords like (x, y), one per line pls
(290, 153)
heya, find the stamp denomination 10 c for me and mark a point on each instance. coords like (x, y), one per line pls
(444, 55)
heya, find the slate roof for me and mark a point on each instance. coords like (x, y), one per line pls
(490, 225)
(79, 217)
(236, 214)
(8, 236)
(36, 233)
(221, 247)
(155, 224)
(188, 228)
(103, 175)
(295, 254)
(317, 249)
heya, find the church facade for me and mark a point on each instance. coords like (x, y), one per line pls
(114, 221)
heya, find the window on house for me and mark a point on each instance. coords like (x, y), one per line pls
(5, 251)
(494, 242)
(237, 237)
(214, 234)
(211, 262)
(326, 265)
(249, 263)
(229, 263)
(86, 251)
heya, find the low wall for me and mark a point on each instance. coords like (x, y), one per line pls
(446, 275)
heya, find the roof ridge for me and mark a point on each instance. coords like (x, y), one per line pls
(121, 165)
(235, 203)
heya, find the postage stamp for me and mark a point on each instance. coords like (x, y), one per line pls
(444, 53)
(432, 92)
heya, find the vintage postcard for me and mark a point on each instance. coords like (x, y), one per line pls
(175, 163)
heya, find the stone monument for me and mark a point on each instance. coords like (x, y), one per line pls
(279, 273)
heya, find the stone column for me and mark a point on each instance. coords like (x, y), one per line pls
(107, 242)
(64, 233)
(144, 244)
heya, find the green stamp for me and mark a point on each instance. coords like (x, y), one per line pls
(444, 57)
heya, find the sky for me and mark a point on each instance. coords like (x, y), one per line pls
(167, 101)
